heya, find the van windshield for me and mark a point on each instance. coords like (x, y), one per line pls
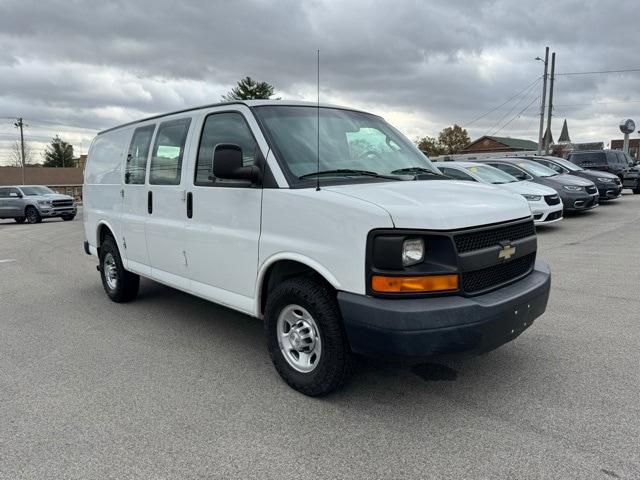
(491, 174)
(350, 142)
(537, 170)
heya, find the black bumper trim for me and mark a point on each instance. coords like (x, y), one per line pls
(86, 248)
(444, 325)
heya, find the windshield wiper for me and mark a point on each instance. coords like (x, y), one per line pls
(416, 170)
(348, 171)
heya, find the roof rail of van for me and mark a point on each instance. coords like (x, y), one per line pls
(172, 113)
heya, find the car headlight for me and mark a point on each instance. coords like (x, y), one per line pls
(532, 198)
(605, 179)
(573, 188)
(412, 251)
(44, 203)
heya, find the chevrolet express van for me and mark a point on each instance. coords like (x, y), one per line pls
(324, 222)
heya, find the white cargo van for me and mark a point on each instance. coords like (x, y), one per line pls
(365, 248)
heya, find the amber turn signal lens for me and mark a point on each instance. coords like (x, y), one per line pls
(427, 283)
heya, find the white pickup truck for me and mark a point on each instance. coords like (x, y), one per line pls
(323, 221)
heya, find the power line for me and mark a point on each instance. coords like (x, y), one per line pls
(623, 70)
(518, 114)
(525, 96)
(504, 103)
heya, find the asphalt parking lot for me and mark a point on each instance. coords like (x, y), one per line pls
(171, 386)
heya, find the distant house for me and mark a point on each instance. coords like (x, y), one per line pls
(66, 180)
(488, 144)
(634, 146)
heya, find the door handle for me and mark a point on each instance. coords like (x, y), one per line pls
(189, 205)
(150, 202)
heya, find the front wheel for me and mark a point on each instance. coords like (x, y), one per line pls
(32, 215)
(305, 336)
(120, 285)
(68, 218)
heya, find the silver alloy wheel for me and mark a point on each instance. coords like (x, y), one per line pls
(299, 338)
(110, 271)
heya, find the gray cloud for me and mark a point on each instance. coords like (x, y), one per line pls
(423, 65)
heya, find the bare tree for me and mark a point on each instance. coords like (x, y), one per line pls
(15, 154)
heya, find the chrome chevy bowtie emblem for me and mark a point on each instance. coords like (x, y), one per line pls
(506, 252)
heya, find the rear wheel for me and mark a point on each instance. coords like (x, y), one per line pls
(120, 285)
(305, 336)
(20, 219)
(32, 215)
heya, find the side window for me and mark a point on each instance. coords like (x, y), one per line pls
(227, 127)
(4, 193)
(13, 192)
(613, 158)
(511, 170)
(552, 166)
(457, 174)
(136, 167)
(168, 150)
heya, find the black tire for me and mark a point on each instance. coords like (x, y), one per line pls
(68, 218)
(20, 219)
(32, 215)
(127, 284)
(319, 300)
(636, 190)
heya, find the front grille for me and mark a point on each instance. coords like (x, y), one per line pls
(468, 242)
(496, 275)
(62, 203)
(552, 199)
(591, 189)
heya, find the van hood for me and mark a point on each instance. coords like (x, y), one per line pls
(566, 179)
(439, 204)
(528, 188)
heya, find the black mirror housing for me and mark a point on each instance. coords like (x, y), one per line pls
(227, 164)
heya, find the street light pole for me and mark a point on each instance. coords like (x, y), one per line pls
(544, 98)
(549, 112)
(19, 124)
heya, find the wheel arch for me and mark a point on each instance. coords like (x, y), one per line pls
(102, 230)
(288, 265)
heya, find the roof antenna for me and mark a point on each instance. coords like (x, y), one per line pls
(318, 129)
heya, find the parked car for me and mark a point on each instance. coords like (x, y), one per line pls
(545, 203)
(576, 193)
(32, 203)
(609, 185)
(314, 220)
(613, 161)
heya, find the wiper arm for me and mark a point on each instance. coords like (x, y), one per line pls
(348, 171)
(414, 170)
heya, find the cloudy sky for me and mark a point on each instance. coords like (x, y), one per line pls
(73, 67)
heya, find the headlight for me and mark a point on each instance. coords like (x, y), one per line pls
(573, 188)
(532, 198)
(44, 203)
(605, 179)
(412, 251)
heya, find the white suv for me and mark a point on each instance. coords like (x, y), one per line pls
(325, 222)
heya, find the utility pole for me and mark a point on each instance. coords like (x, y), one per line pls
(19, 124)
(544, 98)
(549, 112)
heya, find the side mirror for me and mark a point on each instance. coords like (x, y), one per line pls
(227, 164)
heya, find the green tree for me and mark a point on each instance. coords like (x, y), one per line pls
(429, 146)
(249, 89)
(453, 139)
(58, 153)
